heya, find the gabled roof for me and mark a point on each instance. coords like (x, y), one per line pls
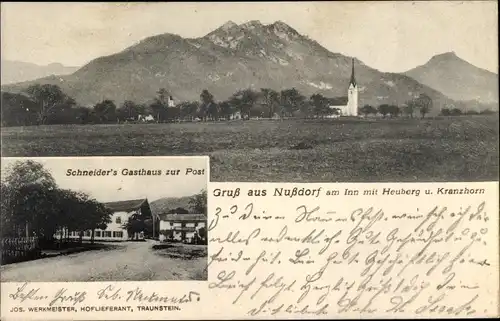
(183, 217)
(126, 206)
(338, 101)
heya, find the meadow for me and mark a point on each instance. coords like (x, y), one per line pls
(461, 148)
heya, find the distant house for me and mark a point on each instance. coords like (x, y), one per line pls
(122, 212)
(146, 118)
(235, 115)
(337, 107)
(181, 227)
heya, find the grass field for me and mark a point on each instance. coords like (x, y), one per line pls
(346, 150)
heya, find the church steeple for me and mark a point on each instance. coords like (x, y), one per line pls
(353, 79)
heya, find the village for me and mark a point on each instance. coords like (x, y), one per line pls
(245, 104)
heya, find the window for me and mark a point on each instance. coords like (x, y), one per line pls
(118, 220)
(107, 234)
(98, 233)
(118, 234)
(87, 233)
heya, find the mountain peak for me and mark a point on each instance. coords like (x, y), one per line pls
(228, 25)
(280, 24)
(251, 24)
(457, 78)
(281, 27)
(445, 56)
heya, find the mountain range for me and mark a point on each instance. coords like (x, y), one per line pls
(254, 55)
(18, 71)
(163, 205)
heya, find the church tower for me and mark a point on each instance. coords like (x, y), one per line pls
(352, 95)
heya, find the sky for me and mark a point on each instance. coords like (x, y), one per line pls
(389, 36)
(120, 187)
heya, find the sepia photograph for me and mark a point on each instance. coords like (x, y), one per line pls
(104, 219)
(299, 92)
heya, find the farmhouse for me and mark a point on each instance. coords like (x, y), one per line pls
(123, 211)
(235, 115)
(146, 118)
(181, 227)
(351, 106)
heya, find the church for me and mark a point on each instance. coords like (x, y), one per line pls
(351, 109)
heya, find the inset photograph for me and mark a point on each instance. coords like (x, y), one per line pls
(80, 219)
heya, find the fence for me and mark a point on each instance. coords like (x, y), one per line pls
(17, 249)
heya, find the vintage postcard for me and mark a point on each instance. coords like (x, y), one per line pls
(284, 92)
(209, 160)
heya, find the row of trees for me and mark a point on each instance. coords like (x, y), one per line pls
(48, 104)
(33, 205)
(457, 112)
(422, 104)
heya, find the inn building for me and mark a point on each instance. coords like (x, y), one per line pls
(123, 211)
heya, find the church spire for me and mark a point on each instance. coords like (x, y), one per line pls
(353, 79)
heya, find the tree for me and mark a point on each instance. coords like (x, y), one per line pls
(367, 110)
(202, 234)
(188, 109)
(32, 201)
(320, 105)
(409, 108)
(162, 96)
(424, 103)
(198, 203)
(105, 111)
(226, 109)
(28, 195)
(130, 111)
(455, 112)
(445, 112)
(7, 219)
(213, 111)
(384, 109)
(244, 101)
(291, 100)
(135, 225)
(37, 208)
(71, 213)
(207, 100)
(271, 98)
(18, 110)
(28, 172)
(394, 110)
(48, 99)
(160, 105)
(158, 110)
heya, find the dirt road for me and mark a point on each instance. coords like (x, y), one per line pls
(127, 261)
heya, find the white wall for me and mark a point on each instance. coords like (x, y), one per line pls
(113, 232)
(177, 235)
